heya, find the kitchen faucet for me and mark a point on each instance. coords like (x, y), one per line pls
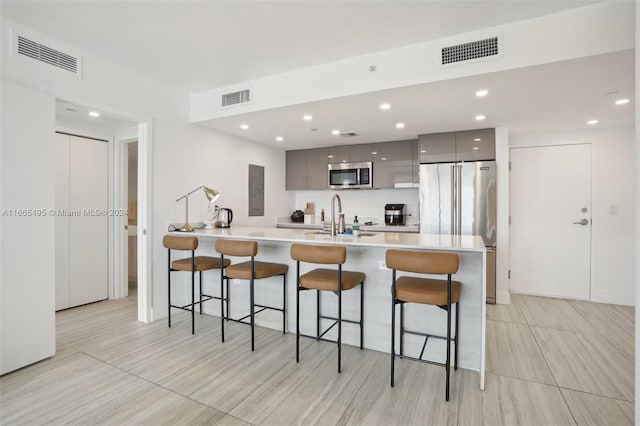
(341, 224)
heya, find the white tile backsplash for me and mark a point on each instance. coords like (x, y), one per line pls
(368, 204)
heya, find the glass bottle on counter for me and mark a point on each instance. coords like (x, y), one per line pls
(322, 216)
(355, 227)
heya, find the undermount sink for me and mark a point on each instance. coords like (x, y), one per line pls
(362, 234)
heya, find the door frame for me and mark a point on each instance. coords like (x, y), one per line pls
(594, 224)
(118, 246)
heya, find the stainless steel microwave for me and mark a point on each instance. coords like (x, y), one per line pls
(351, 175)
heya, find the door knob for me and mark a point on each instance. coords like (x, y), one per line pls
(582, 222)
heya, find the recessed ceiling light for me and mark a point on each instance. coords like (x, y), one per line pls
(343, 161)
(383, 158)
(279, 138)
(307, 117)
(94, 113)
(399, 125)
(244, 126)
(385, 106)
(423, 151)
(475, 147)
(329, 156)
(335, 132)
(477, 139)
(481, 93)
(480, 117)
(622, 101)
(374, 153)
(592, 122)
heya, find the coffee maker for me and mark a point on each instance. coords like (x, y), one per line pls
(394, 214)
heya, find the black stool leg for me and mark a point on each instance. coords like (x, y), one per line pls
(339, 318)
(193, 293)
(222, 298)
(284, 304)
(297, 311)
(393, 323)
(448, 365)
(361, 315)
(200, 300)
(401, 329)
(169, 288)
(228, 299)
(318, 315)
(455, 355)
(251, 297)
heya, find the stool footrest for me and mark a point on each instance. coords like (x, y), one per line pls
(321, 338)
(256, 312)
(343, 320)
(426, 361)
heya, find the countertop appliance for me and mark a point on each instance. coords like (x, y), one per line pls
(225, 217)
(460, 199)
(394, 214)
(297, 217)
(351, 175)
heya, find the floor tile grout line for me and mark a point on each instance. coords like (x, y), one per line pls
(151, 382)
(553, 376)
(596, 394)
(600, 333)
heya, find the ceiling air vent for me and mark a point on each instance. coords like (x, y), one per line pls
(235, 98)
(469, 51)
(348, 134)
(48, 55)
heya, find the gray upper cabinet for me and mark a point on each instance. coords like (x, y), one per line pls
(360, 153)
(306, 169)
(471, 145)
(393, 164)
(437, 148)
(476, 145)
(317, 171)
(349, 153)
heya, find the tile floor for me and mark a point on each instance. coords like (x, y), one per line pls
(549, 362)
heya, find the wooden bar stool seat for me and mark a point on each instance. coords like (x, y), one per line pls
(250, 271)
(191, 264)
(427, 291)
(322, 279)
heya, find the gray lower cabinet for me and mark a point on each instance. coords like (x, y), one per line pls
(306, 169)
(470, 145)
(393, 164)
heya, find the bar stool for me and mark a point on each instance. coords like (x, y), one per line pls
(441, 293)
(190, 264)
(335, 280)
(251, 271)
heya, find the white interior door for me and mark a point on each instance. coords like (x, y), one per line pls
(88, 194)
(551, 221)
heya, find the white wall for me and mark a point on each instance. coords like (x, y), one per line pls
(183, 155)
(27, 264)
(560, 36)
(613, 245)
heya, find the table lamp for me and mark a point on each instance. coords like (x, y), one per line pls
(211, 195)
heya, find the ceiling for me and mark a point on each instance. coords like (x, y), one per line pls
(554, 97)
(200, 45)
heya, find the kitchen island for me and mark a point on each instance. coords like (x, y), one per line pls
(365, 253)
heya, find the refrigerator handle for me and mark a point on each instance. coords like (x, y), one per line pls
(459, 200)
(453, 200)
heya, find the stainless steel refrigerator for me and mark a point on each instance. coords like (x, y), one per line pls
(460, 199)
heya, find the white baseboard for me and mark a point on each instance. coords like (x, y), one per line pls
(613, 297)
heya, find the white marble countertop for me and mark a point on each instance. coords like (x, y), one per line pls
(401, 240)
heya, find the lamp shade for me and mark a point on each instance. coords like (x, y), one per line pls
(211, 194)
